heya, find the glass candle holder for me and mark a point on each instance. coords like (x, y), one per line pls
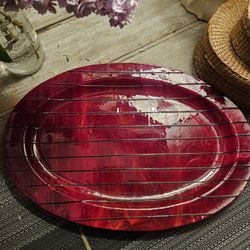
(20, 50)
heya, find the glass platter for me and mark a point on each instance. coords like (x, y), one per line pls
(128, 147)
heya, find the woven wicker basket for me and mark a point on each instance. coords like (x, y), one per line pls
(206, 71)
(218, 47)
(215, 59)
(240, 37)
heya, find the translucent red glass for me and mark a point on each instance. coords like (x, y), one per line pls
(128, 147)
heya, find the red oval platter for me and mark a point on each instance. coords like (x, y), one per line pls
(128, 147)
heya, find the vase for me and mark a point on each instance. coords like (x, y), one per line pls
(20, 50)
(202, 9)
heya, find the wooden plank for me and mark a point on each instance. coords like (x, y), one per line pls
(42, 21)
(176, 52)
(77, 42)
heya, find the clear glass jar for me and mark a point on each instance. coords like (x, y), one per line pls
(20, 50)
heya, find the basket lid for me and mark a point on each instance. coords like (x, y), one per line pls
(222, 53)
(240, 37)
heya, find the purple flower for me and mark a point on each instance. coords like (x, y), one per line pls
(65, 3)
(26, 3)
(11, 5)
(85, 8)
(43, 5)
(120, 11)
(121, 6)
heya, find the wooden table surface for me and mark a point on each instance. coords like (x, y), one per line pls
(162, 33)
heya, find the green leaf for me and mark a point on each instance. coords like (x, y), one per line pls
(4, 57)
